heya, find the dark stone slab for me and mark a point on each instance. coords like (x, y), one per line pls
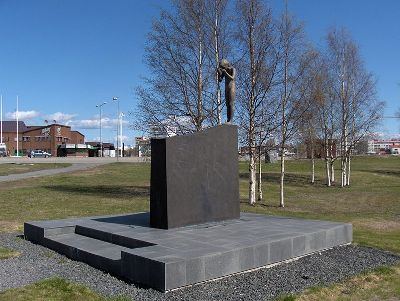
(169, 259)
(194, 178)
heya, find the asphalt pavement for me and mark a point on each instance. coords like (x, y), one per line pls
(77, 164)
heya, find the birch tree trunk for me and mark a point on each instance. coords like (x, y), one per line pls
(327, 163)
(342, 171)
(252, 179)
(283, 107)
(260, 193)
(252, 165)
(282, 202)
(343, 150)
(252, 128)
(332, 167)
(312, 159)
(328, 176)
(216, 49)
(312, 167)
(348, 169)
(200, 115)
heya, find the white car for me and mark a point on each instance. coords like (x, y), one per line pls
(39, 154)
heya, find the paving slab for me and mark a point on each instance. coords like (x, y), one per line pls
(126, 246)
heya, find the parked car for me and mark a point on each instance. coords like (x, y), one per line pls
(3, 150)
(39, 154)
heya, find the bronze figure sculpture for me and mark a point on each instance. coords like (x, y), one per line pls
(225, 69)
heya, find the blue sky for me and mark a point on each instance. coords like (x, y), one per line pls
(63, 57)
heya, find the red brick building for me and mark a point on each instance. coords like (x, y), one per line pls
(46, 138)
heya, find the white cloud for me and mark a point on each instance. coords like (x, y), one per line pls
(94, 123)
(124, 138)
(60, 117)
(85, 123)
(23, 115)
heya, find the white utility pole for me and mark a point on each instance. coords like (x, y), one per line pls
(118, 134)
(101, 141)
(16, 116)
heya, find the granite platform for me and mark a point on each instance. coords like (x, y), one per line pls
(126, 246)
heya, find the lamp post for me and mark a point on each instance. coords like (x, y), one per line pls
(101, 141)
(118, 134)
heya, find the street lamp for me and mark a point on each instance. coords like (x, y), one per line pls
(118, 133)
(101, 141)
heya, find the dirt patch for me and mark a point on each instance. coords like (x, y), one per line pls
(6, 226)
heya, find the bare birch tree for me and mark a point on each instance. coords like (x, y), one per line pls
(355, 90)
(256, 69)
(295, 59)
(323, 108)
(308, 127)
(176, 58)
(365, 111)
(218, 32)
(266, 125)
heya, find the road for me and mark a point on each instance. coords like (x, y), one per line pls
(72, 160)
(77, 164)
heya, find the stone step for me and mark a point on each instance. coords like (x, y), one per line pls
(106, 234)
(97, 253)
(188, 255)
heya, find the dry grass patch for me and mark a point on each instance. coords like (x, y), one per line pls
(9, 226)
(378, 224)
(7, 253)
(382, 284)
(55, 289)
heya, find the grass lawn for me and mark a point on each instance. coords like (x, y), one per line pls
(54, 289)
(10, 168)
(382, 284)
(7, 253)
(371, 203)
(109, 189)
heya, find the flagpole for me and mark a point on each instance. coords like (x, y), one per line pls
(16, 115)
(120, 133)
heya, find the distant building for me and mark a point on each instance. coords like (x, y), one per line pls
(395, 149)
(142, 146)
(108, 149)
(169, 127)
(269, 151)
(320, 148)
(75, 150)
(172, 126)
(376, 146)
(47, 138)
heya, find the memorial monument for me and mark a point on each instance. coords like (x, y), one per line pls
(194, 231)
(195, 178)
(225, 70)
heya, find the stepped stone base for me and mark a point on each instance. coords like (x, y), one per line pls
(127, 247)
